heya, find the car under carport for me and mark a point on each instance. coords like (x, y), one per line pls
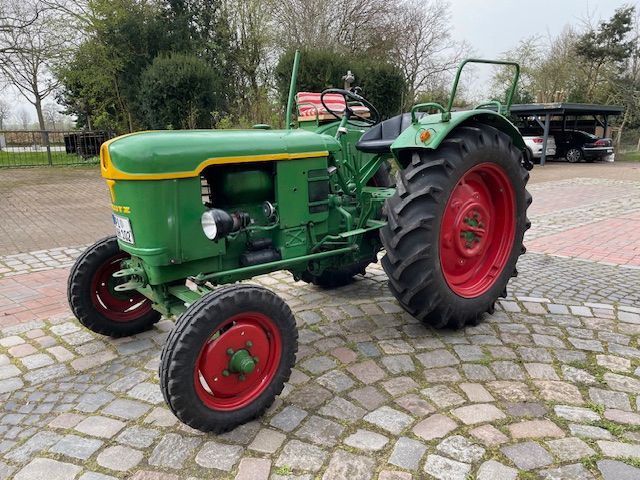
(563, 116)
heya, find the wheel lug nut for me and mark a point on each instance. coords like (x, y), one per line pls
(249, 344)
(229, 351)
(255, 359)
(226, 373)
(241, 378)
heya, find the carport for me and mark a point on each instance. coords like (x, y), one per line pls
(565, 115)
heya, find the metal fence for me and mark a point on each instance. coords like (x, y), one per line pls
(32, 148)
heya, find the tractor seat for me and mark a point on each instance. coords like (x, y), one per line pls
(380, 137)
(310, 107)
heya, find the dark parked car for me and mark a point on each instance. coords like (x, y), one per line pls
(576, 145)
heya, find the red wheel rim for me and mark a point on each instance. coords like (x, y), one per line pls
(116, 306)
(477, 230)
(217, 385)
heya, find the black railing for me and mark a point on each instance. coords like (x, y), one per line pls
(33, 148)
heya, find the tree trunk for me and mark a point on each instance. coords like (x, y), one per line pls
(622, 125)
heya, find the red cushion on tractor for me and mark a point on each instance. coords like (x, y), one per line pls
(309, 105)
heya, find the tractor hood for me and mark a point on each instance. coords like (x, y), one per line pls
(185, 153)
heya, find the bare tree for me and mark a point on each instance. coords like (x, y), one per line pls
(423, 47)
(34, 49)
(12, 19)
(5, 112)
(23, 119)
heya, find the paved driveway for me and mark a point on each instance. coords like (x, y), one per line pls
(546, 387)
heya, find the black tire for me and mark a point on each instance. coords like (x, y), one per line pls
(196, 326)
(329, 279)
(412, 235)
(83, 302)
(574, 155)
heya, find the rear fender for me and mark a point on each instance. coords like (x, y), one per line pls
(429, 132)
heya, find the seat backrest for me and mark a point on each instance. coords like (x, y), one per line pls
(309, 103)
(310, 107)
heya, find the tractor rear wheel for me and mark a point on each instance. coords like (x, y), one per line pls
(455, 227)
(334, 278)
(95, 302)
(228, 357)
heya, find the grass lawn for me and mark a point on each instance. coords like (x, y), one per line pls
(33, 159)
(629, 157)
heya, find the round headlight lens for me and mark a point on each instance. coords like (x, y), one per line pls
(209, 225)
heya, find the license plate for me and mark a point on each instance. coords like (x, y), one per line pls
(123, 228)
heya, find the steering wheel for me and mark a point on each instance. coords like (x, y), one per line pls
(348, 95)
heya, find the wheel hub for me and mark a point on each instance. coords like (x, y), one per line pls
(477, 230)
(230, 365)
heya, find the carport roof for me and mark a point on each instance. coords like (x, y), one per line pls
(525, 109)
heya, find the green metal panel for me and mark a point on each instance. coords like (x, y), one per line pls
(439, 130)
(184, 151)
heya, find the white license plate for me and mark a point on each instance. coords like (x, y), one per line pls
(123, 228)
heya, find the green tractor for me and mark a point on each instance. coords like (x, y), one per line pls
(195, 211)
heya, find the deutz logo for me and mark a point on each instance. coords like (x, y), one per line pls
(120, 209)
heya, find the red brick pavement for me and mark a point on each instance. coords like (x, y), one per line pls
(33, 296)
(615, 240)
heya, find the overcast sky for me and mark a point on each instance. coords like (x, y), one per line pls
(492, 27)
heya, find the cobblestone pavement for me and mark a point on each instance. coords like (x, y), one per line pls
(547, 387)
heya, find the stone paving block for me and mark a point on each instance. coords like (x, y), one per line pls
(173, 450)
(75, 446)
(444, 468)
(616, 400)
(119, 458)
(367, 372)
(366, 440)
(443, 396)
(49, 469)
(288, 419)
(138, 437)
(219, 456)
(415, 405)
(321, 431)
(407, 453)
(570, 449)
(253, 469)
(554, 391)
(127, 409)
(91, 402)
(527, 455)
(267, 441)
(399, 384)
(613, 362)
(489, 435)
(620, 416)
(161, 417)
(476, 393)
(309, 395)
(342, 410)
(493, 470)
(99, 426)
(8, 371)
(567, 472)
(576, 414)
(369, 397)
(589, 431)
(348, 466)
(301, 456)
(479, 413)
(336, 381)
(616, 470)
(394, 475)
(459, 448)
(435, 426)
(95, 476)
(84, 363)
(535, 429)
(619, 449)
(389, 419)
(147, 392)
(437, 359)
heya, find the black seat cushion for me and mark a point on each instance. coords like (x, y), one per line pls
(380, 137)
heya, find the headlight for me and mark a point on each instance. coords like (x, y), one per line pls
(209, 225)
(218, 224)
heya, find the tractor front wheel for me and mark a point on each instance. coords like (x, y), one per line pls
(228, 357)
(94, 300)
(455, 227)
